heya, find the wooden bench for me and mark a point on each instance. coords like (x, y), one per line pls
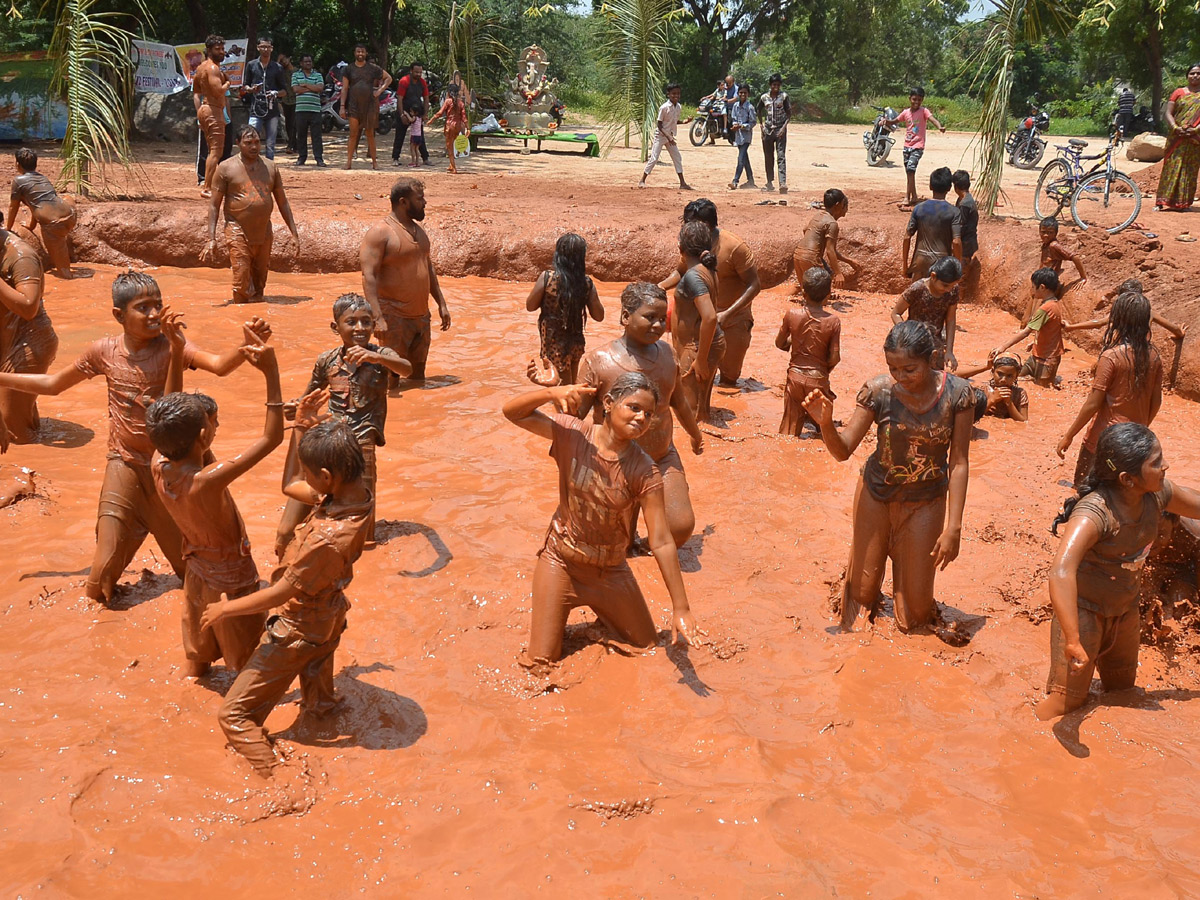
(590, 141)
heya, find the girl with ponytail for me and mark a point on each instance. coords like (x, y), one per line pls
(1128, 382)
(1110, 529)
(565, 297)
(698, 339)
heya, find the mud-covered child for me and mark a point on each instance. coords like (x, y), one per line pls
(356, 374)
(1001, 396)
(306, 595)
(455, 113)
(819, 245)
(194, 488)
(563, 296)
(813, 335)
(135, 366)
(1052, 256)
(1048, 324)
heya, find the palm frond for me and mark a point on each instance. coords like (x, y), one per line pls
(473, 42)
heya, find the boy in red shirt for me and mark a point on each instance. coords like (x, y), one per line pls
(917, 118)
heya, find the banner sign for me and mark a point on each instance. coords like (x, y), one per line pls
(157, 69)
(234, 64)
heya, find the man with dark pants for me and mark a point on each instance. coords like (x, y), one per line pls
(411, 90)
(263, 90)
(308, 86)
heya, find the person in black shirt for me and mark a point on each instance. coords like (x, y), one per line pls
(969, 210)
(263, 90)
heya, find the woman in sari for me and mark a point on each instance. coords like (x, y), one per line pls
(1177, 184)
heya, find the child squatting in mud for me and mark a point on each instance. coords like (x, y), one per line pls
(134, 365)
(306, 592)
(602, 477)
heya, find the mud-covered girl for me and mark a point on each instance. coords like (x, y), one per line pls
(602, 476)
(1095, 580)
(909, 503)
(1001, 396)
(644, 316)
(564, 297)
(698, 340)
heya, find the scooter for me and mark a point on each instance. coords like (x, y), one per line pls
(331, 119)
(879, 140)
(387, 112)
(1026, 145)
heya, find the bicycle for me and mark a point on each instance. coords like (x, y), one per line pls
(1102, 197)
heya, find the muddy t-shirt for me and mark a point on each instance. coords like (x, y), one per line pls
(36, 190)
(911, 458)
(361, 102)
(813, 338)
(135, 380)
(929, 310)
(1126, 399)
(596, 495)
(215, 545)
(602, 366)
(817, 233)
(319, 564)
(936, 223)
(20, 265)
(1047, 324)
(970, 224)
(1109, 576)
(735, 261)
(357, 393)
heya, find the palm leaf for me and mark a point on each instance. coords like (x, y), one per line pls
(473, 43)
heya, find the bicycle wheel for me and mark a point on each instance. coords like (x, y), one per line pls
(1053, 190)
(1101, 202)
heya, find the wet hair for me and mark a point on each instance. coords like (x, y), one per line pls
(701, 210)
(671, 86)
(961, 179)
(129, 285)
(1049, 222)
(1129, 324)
(26, 159)
(630, 383)
(571, 283)
(348, 302)
(916, 90)
(775, 78)
(695, 239)
(816, 283)
(940, 180)
(638, 294)
(947, 269)
(1122, 448)
(910, 338)
(405, 188)
(833, 197)
(245, 130)
(211, 41)
(1007, 359)
(1046, 278)
(174, 422)
(333, 446)
(1130, 286)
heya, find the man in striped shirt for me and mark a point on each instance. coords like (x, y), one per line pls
(308, 86)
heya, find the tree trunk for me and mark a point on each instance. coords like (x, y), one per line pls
(199, 17)
(1155, 61)
(384, 40)
(251, 29)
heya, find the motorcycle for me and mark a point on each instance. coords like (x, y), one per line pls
(879, 140)
(1026, 145)
(707, 122)
(387, 112)
(331, 119)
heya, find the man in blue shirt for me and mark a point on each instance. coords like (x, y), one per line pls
(742, 119)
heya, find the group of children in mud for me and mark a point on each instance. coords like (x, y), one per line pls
(611, 436)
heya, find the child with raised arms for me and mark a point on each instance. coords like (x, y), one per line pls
(307, 592)
(602, 476)
(1095, 580)
(135, 365)
(194, 488)
(639, 349)
(813, 335)
(698, 340)
(1134, 286)
(909, 503)
(564, 296)
(1052, 256)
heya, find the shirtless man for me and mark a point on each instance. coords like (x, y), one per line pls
(248, 186)
(398, 277)
(28, 343)
(55, 215)
(209, 85)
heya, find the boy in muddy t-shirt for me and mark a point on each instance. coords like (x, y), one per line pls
(937, 225)
(818, 246)
(135, 365)
(54, 215)
(1048, 324)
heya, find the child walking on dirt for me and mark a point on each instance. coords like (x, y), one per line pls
(416, 134)
(640, 349)
(813, 334)
(603, 476)
(698, 340)
(194, 489)
(818, 246)
(1111, 526)
(1001, 397)
(909, 503)
(134, 365)
(564, 297)
(917, 118)
(356, 377)
(455, 114)
(664, 136)
(933, 301)
(1128, 382)
(306, 594)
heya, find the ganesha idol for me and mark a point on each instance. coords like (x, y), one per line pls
(529, 99)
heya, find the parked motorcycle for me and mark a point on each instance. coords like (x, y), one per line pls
(879, 140)
(387, 112)
(707, 122)
(331, 100)
(1026, 145)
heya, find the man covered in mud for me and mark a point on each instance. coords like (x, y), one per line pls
(737, 286)
(398, 277)
(27, 339)
(248, 187)
(54, 215)
(209, 85)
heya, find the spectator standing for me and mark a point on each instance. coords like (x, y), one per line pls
(288, 100)
(412, 91)
(775, 111)
(362, 83)
(742, 120)
(1125, 103)
(262, 91)
(308, 87)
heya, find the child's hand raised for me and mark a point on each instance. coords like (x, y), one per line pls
(260, 356)
(309, 409)
(568, 398)
(172, 326)
(820, 407)
(542, 372)
(256, 331)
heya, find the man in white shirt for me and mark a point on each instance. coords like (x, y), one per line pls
(664, 136)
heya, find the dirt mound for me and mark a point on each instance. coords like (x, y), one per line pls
(1147, 179)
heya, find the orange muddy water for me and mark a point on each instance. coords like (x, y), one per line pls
(779, 759)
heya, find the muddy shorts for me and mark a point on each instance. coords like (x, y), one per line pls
(233, 638)
(58, 230)
(1042, 371)
(805, 259)
(686, 355)
(410, 337)
(671, 469)
(249, 262)
(33, 347)
(212, 123)
(912, 158)
(1111, 643)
